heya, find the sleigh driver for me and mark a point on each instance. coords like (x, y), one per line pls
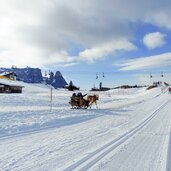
(78, 101)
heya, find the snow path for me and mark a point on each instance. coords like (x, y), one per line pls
(26, 113)
(121, 130)
(147, 150)
(169, 155)
(87, 162)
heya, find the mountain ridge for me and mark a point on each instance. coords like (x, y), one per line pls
(34, 75)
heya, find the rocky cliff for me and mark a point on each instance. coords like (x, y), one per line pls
(57, 80)
(28, 75)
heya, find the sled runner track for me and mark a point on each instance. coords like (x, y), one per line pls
(88, 161)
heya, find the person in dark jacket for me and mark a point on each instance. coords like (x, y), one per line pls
(81, 99)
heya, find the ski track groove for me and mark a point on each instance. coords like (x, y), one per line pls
(88, 161)
(146, 146)
(169, 154)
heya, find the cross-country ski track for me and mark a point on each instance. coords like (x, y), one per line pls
(92, 159)
(130, 131)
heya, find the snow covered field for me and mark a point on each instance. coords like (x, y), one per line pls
(129, 131)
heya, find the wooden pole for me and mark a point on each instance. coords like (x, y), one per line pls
(51, 99)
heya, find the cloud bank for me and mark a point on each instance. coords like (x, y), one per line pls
(146, 62)
(39, 33)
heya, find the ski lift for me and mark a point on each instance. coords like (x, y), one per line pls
(96, 76)
(162, 74)
(151, 75)
(103, 74)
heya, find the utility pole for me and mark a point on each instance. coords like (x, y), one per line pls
(151, 78)
(51, 100)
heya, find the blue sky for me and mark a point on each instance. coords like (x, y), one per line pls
(127, 41)
(112, 74)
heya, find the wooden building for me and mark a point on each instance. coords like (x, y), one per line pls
(9, 88)
(101, 88)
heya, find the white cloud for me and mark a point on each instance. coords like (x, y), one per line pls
(103, 50)
(67, 64)
(154, 40)
(39, 33)
(146, 62)
(160, 18)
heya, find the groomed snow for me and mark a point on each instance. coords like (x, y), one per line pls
(129, 131)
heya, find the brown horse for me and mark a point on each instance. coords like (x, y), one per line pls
(92, 99)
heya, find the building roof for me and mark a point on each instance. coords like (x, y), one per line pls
(10, 83)
(6, 73)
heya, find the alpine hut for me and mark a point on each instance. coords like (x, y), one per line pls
(7, 86)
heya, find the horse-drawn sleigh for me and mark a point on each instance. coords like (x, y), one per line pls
(77, 101)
